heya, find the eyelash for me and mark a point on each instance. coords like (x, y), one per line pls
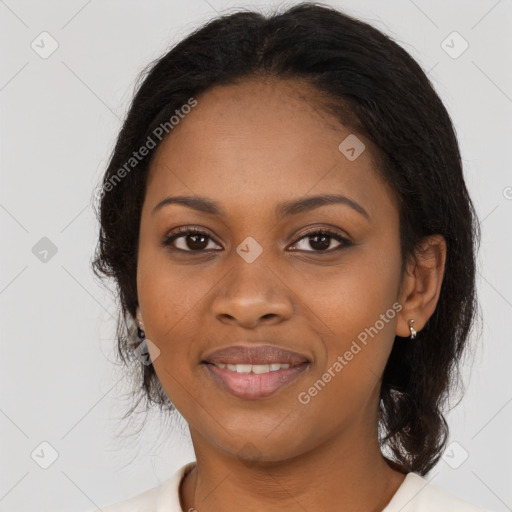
(167, 241)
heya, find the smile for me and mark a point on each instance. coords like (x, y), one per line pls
(253, 368)
(254, 381)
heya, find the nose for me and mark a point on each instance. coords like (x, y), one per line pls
(253, 294)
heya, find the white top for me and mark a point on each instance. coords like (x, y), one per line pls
(416, 494)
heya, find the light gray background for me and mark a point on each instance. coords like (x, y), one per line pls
(59, 119)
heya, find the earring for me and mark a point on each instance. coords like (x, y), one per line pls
(411, 328)
(141, 333)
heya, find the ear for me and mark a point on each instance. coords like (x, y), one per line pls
(421, 284)
(139, 318)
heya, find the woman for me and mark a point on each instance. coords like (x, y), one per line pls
(286, 219)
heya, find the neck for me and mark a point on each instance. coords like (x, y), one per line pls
(348, 473)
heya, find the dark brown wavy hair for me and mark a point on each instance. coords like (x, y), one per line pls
(375, 88)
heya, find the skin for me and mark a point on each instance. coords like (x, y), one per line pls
(249, 147)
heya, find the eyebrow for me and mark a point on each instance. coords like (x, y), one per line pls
(284, 209)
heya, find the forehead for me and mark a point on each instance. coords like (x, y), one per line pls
(262, 141)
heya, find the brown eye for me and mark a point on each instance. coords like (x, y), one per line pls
(320, 240)
(191, 240)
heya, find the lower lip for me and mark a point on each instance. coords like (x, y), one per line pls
(252, 386)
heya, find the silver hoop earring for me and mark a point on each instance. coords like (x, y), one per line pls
(141, 333)
(411, 328)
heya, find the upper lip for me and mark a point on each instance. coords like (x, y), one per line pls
(254, 354)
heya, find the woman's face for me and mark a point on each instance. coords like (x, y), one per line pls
(256, 278)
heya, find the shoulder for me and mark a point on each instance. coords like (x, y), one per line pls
(417, 494)
(162, 497)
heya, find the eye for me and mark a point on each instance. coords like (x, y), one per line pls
(194, 240)
(321, 239)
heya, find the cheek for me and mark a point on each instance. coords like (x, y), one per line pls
(174, 300)
(358, 307)
(353, 297)
(169, 293)
(361, 323)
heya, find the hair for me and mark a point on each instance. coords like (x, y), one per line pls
(373, 86)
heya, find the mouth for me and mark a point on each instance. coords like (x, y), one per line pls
(250, 371)
(254, 381)
(258, 369)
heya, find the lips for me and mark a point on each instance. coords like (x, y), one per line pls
(251, 386)
(252, 372)
(255, 355)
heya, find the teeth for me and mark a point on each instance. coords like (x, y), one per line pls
(243, 368)
(254, 368)
(260, 368)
